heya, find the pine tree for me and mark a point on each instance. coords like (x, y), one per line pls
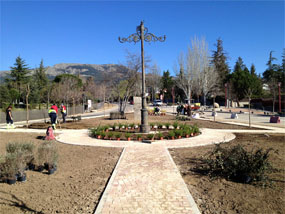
(219, 60)
(19, 72)
(252, 69)
(241, 79)
(40, 85)
(167, 84)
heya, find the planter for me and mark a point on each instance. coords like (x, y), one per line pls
(99, 137)
(22, 178)
(40, 168)
(161, 138)
(31, 166)
(187, 136)
(139, 139)
(11, 180)
(172, 138)
(128, 138)
(118, 139)
(192, 134)
(51, 171)
(179, 137)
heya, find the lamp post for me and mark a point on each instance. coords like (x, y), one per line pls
(142, 35)
(226, 86)
(279, 85)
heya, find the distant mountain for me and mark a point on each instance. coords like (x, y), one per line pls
(99, 72)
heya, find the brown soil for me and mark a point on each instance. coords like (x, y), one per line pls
(74, 188)
(222, 196)
(90, 123)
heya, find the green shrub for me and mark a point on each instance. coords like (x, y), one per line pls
(118, 135)
(24, 151)
(127, 135)
(195, 129)
(93, 132)
(178, 132)
(47, 154)
(139, 136)
(110, 135)
(175, 124)
(238, 165)
(103, 134)
(171, 133)
(159, 135)
(167, 125)
(150, 136)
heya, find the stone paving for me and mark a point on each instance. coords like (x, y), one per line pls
(146, 181)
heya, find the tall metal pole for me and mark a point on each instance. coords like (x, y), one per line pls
(144, 114)
(143, 35)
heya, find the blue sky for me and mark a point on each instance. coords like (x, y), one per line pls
(88, 31)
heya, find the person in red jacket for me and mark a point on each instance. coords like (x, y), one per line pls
(63, 112)
(54, 107)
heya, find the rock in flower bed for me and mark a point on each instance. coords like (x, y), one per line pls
(159, 131)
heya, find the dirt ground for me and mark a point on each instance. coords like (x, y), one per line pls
(226, 197)
(74, 188)
(90, 123)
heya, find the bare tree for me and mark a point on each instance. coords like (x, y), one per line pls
(193, 68)
(68, 90)
(153, 79)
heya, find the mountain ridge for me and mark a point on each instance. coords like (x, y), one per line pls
(99, 71)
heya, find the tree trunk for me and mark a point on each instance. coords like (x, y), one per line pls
(27, 104)
(214, 108)
(249, 119)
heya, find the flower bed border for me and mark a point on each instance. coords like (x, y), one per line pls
(130, 132)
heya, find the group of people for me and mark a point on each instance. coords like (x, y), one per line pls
(53, 111)
(183, 109)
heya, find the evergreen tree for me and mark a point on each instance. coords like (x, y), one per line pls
(219, 60)
(19, 73)
(167, 83)
(40, 85)
(252, 69)
(241, 80)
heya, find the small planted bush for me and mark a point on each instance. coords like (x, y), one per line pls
(171, 134)
(118, 135)
(139, 136)
(103, 135)
(150, 136)
(159, 135)
(239, 165)
(127, 135)
(175, 125)
(110, 135)
(48, 155)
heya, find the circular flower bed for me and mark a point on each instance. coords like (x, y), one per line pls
(159, 131)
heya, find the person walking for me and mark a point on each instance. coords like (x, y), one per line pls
(9, 118)
(53, 115)
(63, 112)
